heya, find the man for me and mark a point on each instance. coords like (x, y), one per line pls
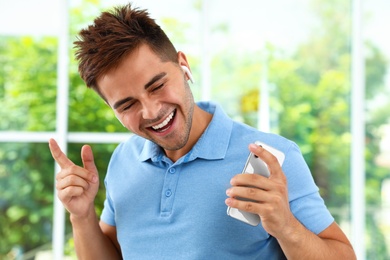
(166, 186)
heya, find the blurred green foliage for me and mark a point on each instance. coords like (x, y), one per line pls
(310, 104)
(28, 83)
(26, 196)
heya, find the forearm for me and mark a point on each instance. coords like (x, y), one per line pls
(300, 243)
(90, 242)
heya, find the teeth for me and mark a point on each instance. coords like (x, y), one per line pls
(164, 123)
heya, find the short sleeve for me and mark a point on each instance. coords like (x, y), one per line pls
(311, 211)
(305, 201)
(108, 213)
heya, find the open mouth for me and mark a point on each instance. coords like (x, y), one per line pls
(164, 125)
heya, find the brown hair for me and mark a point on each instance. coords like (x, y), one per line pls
(114, 35)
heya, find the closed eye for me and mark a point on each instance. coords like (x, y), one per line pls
(127, 106)
(158, 87)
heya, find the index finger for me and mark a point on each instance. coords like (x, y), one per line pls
(263, 153)
(272, 157)
(58, 155)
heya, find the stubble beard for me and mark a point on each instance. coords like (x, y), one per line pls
(180, 137)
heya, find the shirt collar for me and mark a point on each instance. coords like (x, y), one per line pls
(212, 145)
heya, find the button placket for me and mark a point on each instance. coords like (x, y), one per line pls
(168, 192)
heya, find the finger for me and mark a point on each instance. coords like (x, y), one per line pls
(263, 154)
(88, 159)
(77, 171)
(259, 189)
(250, 180)
(70, 192)
(248, 206)
(248, 193)
(72, 180)
(271, 160)
(62, 160)
(89, 162)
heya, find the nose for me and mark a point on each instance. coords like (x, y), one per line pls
(150, 109)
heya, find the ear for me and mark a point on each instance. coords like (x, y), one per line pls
(182, 59)
(188, 72)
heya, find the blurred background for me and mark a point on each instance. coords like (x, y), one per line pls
(314, 71)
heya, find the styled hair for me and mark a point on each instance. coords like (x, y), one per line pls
(114, 35)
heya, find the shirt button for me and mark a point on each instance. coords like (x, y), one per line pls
(168, 193)
(172, 170)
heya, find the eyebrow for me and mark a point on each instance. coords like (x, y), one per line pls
(121, 102)
(154, 79)
(147, 85)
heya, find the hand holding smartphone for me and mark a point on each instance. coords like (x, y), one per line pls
(254, 165)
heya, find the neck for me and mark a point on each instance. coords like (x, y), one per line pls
(200, 121)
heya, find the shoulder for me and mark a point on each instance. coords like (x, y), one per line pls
(246, 134)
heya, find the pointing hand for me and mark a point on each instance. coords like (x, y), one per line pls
(77, 186)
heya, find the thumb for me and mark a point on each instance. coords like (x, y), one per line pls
(88, 161)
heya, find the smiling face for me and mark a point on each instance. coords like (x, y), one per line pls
(153, 99)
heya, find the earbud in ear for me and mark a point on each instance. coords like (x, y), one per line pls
(188, 72)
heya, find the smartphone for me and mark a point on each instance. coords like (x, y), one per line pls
(254, 165)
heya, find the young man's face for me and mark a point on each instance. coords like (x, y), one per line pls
(151, 98)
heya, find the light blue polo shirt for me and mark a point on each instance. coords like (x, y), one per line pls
(166, 210)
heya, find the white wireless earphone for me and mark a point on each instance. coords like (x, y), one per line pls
(188, 72)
